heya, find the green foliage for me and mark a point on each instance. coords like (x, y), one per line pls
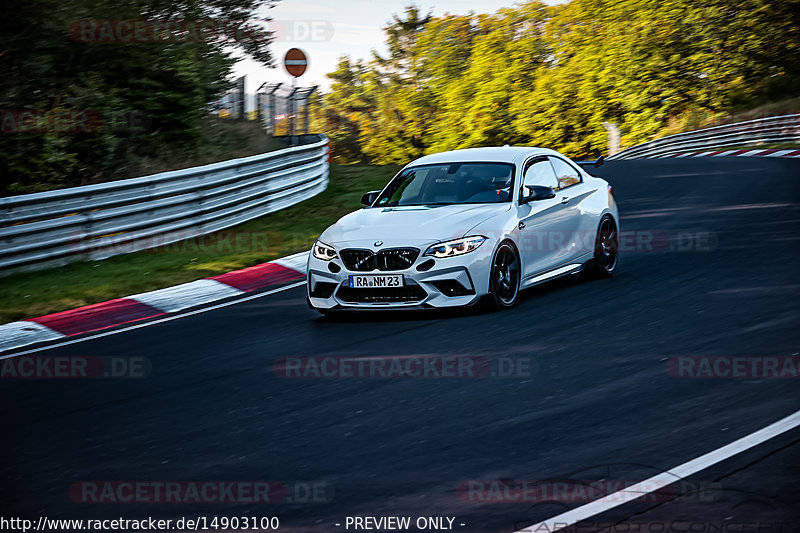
(165, 86)
(550, 76)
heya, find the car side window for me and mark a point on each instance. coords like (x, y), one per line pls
(538, 172)
(566, 173)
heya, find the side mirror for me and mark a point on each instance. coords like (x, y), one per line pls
(600, 161)
(538, 192)
(370, 197)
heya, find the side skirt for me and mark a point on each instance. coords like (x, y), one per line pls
(566, 270)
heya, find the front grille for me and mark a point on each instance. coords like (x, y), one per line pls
(409, 293)
(385, 260)
(396, 258)
(358, 260)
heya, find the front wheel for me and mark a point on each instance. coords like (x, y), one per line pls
(606, 250)
(504, 277)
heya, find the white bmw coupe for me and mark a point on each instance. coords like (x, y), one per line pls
(460, 227)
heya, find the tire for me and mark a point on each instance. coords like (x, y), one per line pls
(504, 277)
(606, 250)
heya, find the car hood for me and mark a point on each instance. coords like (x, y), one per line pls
(409, 224)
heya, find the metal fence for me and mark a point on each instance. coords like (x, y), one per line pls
(98, 221)
(284, 109)
(780, 129)
(232, 103)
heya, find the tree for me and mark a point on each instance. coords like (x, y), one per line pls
(54, 62)
(550, 76)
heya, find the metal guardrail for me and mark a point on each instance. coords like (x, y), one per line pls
(99, 221)
(784, 128)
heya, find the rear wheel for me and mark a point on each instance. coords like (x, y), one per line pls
(504, 277)
(606, 250)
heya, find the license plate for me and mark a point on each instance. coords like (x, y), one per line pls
(372, 282)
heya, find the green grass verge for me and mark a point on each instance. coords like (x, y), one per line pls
(30, 294)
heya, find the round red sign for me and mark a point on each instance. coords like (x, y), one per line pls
(295, 62)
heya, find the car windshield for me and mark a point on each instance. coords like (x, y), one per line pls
(450, 183)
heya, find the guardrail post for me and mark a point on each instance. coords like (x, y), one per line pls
(613, 137)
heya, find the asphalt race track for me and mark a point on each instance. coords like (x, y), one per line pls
(709, 268)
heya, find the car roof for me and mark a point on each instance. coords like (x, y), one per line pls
(498, 154)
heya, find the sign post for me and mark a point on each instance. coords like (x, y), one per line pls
(295, 62)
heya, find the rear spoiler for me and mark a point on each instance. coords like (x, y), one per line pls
(592, 164)
(596, 163)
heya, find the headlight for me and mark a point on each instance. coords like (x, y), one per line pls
(456, 247)
(324, 251)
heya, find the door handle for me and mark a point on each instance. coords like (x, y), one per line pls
(564, 199)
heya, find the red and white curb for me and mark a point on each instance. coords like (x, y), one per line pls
(734, 153)
(151, 304)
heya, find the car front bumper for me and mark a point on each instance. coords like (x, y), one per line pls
(449, 282)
